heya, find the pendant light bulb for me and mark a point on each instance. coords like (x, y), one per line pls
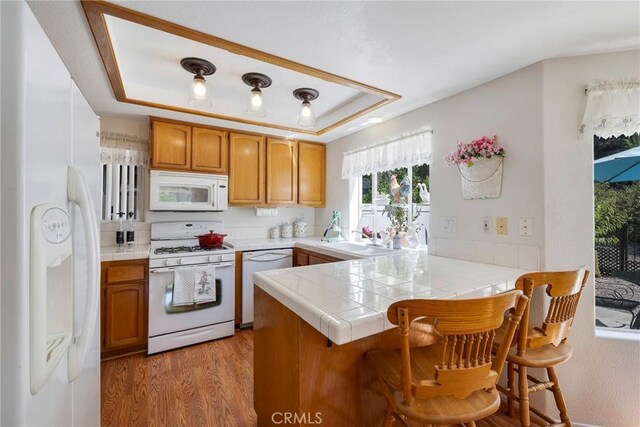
(199, 95)
(257, 82)
(306, 118)
(256, 98)
(199, 87)
(255, 108)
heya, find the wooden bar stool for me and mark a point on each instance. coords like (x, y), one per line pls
(543, 346)
(452, 381)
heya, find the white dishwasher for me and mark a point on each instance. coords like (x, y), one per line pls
(253, 262)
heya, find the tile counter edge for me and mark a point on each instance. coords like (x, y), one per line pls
(116, 253)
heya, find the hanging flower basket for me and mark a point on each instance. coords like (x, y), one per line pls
(480, 163)
(483, 180)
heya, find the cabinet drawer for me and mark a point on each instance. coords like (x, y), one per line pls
(126, 273)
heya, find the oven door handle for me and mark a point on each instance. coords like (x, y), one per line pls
(178, 267)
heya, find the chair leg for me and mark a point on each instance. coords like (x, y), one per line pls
(470, 424)
(523, 397)
(559, 398)
(388, 416)
(510, 387)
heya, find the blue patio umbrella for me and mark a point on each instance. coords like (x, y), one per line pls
(619, 167)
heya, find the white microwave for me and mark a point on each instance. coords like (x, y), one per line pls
(185, 191)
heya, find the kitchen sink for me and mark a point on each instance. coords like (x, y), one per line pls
(359, 248)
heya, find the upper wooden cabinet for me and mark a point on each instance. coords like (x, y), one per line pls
(282, 172)
(209, 150)
(311, 174)
(170, 146)
(246, 169)
(262, 171)
(177, 146)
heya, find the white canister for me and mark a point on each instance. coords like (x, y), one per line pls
(300, 229)
(274, 232)
(286, 230)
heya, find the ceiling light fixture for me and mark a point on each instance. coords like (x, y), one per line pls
(198, 95)
(257, 81)
(306, 118)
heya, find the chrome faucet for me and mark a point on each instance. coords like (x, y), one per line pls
(362, 234)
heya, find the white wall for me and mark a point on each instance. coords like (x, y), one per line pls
(602, 380)
(547, 177)
(240, 223)
(509, 107)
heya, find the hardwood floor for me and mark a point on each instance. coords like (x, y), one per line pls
(209, 384)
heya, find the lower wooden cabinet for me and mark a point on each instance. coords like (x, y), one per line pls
(302, 257)
(124, 307)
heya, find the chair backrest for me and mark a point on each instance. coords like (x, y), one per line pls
(564, 288)
(467, 329)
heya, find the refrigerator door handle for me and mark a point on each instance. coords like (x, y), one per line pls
(78, 193)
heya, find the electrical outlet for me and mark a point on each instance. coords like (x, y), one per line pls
(501, 225)
(486, 225)
(526, 229)
(266, 211)
(449, 224)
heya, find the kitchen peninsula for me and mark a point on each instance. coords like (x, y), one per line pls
(313, 324)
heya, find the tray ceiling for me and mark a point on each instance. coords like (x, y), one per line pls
(142, 57)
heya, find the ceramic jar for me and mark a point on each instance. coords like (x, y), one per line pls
(300, 229)
(274, 232)
(286, 230)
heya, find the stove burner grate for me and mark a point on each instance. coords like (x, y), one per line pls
(185, 249)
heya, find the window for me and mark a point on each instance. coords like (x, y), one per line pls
(617, 233)
(125, 160)
(416, 210)
(122, 191)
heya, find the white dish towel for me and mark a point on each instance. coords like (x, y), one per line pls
(205, 284)
(183, 286)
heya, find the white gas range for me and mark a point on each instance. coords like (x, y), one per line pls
(175, 250)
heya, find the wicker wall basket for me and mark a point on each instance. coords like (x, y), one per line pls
(483, 180)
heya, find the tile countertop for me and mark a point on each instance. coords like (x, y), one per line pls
(117, 253)
(348, 300)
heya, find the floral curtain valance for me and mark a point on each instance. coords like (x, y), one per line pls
(408, 150)
(613, 108)
(123, 149)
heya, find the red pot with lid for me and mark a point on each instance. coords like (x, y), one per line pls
(211, 239)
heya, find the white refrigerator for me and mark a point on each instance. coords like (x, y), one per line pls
(50, 179)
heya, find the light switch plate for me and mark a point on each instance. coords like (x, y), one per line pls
(526, 228)
(449, 224)
(502, 226)
(486, 225)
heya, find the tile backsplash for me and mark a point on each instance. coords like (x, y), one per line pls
(239, 223)
(505, 254)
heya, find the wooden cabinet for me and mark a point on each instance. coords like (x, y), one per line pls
(246, 169)
(261, 171)
(170, 146)
(124, 308)
(209, 150)
(282, 172)
(302, 257)
(179, 146)
(311, 174)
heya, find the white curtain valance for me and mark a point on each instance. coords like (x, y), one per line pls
(123, 149)
(408, 150)
(613, 108)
